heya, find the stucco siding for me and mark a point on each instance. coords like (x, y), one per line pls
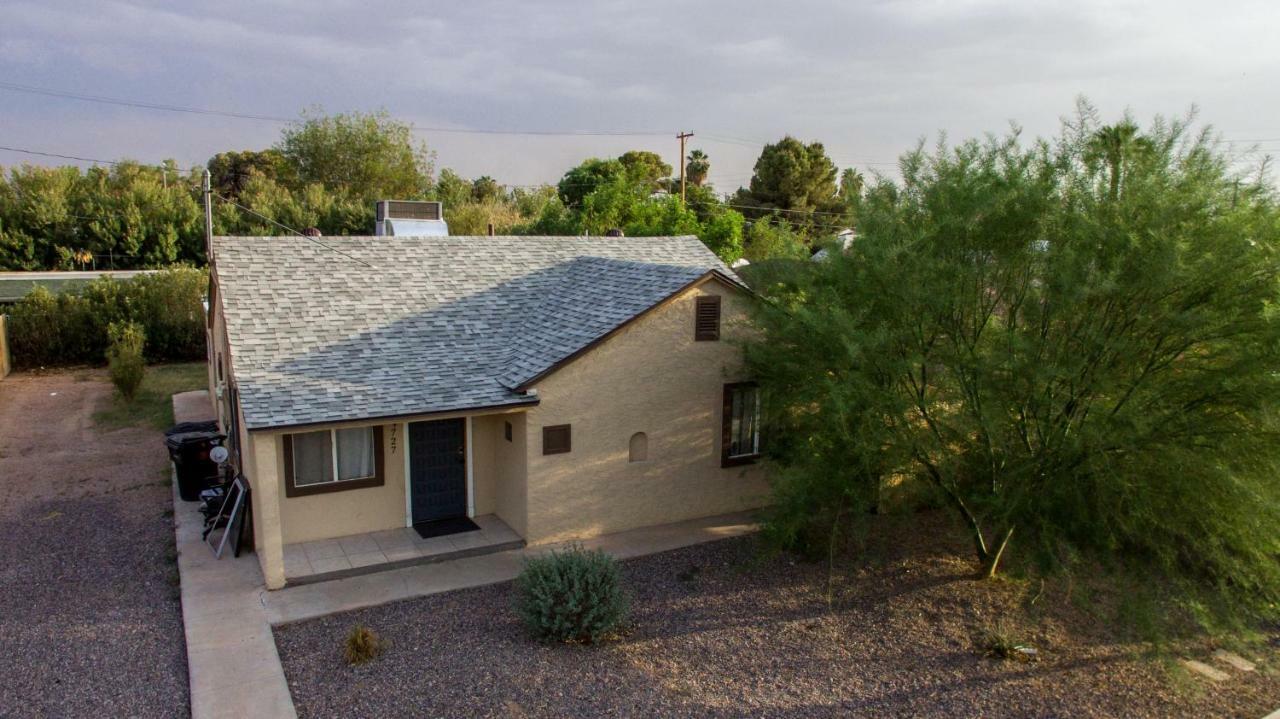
(260, 466)
(483, 472)
(353, 511)
(510, 491)
(651, 377)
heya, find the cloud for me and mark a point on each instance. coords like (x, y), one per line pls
(866, 78)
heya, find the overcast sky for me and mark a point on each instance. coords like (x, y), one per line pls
(866, 78)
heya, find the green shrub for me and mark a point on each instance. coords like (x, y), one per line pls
(124, 357)
(362, 645)
(572, 596)
(48, 329)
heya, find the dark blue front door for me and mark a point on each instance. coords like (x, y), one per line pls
(438, 469)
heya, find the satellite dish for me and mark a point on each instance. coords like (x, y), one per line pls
(219, 454)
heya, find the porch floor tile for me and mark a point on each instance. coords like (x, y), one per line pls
(329, 564)
(391, 549)
(358, 544)
(367, 558)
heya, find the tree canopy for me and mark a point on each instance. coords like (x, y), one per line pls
(368, 155)
(697, 167)
(1074, 347)
(792, 176)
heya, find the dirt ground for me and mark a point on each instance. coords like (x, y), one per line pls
(720, 631)
(89, 610)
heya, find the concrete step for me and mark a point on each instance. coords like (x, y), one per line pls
(1234, 660)
(1205, 670)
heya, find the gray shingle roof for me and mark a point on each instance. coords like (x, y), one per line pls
(432, 324)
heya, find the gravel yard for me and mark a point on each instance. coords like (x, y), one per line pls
(721, 632)
(89, 609)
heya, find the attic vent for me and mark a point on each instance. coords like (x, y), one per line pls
(408, 210)
(706, 318)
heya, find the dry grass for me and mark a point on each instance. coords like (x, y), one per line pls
(153, 405)
(362, 646)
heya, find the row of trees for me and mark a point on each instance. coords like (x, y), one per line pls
(1072, 343)
(327, 171)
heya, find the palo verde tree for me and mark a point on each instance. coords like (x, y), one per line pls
(1071, 352)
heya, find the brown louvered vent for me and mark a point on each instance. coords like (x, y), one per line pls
(408, 210)
(706, 319)
(556, 439)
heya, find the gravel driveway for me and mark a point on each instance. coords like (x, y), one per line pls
(89, 610)
(720, 632)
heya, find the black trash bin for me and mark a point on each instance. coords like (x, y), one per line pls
(190, 453)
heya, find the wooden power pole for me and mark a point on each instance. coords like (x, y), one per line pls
(682, 137)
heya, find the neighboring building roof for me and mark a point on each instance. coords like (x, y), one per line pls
(430, 324)
(15, 285)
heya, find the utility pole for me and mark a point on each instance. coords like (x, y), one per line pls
(208, 218)
(682, 137)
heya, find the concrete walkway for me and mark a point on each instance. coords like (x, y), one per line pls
(232, 662)
(294, 604)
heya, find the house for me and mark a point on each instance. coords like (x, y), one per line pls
(844, 240)
(564, 387)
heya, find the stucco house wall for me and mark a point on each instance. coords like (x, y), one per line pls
(351, 511)
(510, 485)
(651, 377)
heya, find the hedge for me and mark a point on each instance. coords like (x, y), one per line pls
(70, 327)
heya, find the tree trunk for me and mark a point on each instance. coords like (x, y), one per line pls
(991, 563)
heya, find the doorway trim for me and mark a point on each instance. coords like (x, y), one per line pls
(471, 479)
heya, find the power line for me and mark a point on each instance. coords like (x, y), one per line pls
(15, 87)
(59, 156)
(287, 228)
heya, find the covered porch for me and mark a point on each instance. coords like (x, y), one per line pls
(425, 490)
(356, 554)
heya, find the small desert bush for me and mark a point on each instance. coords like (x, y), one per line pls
(1000, 641)
(362, 645)
(124, 357)
(572, 596)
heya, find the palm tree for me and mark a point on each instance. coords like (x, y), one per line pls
(851, 183)
(1116, 146)
(697, 167)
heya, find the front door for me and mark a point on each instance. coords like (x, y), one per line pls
(438, 469)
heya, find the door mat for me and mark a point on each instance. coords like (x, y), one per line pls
(442, 527)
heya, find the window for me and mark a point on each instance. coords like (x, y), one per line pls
(639, 448)
(506, 430)
(332, 460)
(706, 318)
(556, 439)
(740, 441)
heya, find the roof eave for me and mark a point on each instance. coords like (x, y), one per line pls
(531, 402)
